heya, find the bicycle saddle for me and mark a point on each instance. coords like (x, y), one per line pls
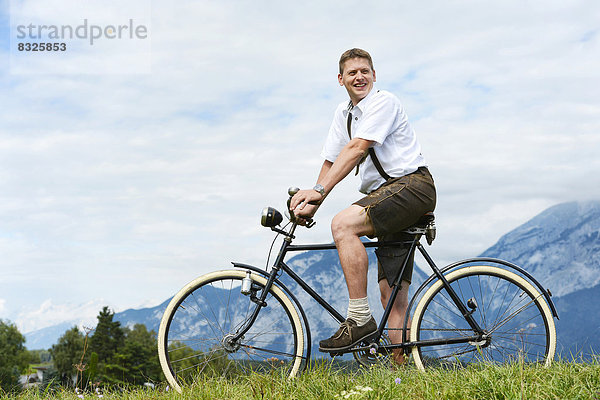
(425, 225)
(425, 220)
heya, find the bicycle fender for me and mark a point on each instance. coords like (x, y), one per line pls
(289, 294)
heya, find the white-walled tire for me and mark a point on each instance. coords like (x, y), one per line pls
(511, 310)
(197, 325)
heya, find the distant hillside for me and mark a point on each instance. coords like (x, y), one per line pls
(147, 316)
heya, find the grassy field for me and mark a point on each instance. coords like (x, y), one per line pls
(564, 380)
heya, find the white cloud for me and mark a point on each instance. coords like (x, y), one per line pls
(48, 314)
(113, 182)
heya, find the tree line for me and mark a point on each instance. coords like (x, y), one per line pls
(109, 355)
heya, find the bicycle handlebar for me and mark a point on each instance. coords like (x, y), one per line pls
(309, 221)
(271, 218)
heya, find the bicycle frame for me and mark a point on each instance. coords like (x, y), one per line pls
(280, 266)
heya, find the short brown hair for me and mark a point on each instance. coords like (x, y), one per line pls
(354, 53)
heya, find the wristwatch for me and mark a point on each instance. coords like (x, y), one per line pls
(319, 188)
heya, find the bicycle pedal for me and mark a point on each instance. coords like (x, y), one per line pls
(333, 353)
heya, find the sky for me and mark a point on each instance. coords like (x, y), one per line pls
(130, 166)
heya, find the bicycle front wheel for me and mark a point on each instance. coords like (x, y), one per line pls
(518, 323)
(198, 329)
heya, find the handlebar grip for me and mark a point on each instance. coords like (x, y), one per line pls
(309, 221)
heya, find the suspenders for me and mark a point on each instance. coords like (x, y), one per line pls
(371, 153)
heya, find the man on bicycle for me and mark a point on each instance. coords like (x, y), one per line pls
(370, 133)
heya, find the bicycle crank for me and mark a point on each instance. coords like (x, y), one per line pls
(373, 354)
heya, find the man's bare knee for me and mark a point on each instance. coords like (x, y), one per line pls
(351, 222)
(341, 226)
(338, 226)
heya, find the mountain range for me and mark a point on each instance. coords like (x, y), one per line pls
(560, 247)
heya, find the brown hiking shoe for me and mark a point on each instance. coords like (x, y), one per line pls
(348, 335)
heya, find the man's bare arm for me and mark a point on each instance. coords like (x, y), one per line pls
(348, 158)
(331, 174)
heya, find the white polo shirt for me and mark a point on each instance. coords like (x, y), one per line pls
(378, 117)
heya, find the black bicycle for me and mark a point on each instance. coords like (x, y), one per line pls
(230, 322)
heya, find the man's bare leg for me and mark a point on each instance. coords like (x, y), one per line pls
(347, 227)
(397, 315)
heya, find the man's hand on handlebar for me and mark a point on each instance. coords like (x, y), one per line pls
(305, 204)
(304, 199)
(304, 216)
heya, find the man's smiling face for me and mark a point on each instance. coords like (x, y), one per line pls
(357, 77)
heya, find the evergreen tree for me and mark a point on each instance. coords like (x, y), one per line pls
(92, 370)
(105, 343)
(108, 336)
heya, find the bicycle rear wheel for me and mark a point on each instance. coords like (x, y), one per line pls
(197, 329)
(518, 322)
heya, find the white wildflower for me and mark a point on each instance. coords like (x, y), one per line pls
(358, 390)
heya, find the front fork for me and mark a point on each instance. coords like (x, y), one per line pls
(231, 340)
(250, 288)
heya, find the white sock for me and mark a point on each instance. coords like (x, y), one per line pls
(359, 311)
